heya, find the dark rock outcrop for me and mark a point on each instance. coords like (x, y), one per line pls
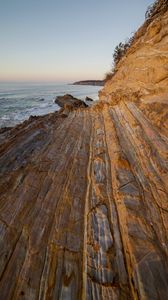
(70, 101)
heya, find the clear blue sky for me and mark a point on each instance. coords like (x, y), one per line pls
(63, 40)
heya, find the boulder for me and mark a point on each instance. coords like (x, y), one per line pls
(70, 101)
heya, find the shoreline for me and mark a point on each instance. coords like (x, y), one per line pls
(18, 103)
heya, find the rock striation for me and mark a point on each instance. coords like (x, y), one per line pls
(84, 199)
(144, 68)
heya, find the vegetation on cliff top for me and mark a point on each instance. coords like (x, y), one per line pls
(155, 9)
(159, 6)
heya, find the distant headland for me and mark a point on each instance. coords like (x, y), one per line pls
(90, 82)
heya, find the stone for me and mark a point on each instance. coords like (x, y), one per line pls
(70, 101)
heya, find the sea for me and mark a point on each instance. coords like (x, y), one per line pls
(19, 101)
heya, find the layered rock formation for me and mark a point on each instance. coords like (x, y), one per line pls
(144, 68)
(84, 199)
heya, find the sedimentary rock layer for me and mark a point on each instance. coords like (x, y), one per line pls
(144, 68)
(84, 206)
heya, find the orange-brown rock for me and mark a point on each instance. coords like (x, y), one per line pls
(84, 210)
(144, 68)
(84, 199)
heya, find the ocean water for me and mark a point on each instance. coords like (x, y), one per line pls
(19, 101)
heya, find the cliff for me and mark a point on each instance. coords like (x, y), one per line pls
(144, 68)
(84, 198)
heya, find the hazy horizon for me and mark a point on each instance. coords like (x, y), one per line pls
(63, 42)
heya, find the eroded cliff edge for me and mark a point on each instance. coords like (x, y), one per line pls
(144, 67)
(84, 198)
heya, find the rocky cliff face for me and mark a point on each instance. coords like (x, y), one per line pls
(144, 69)
(84, 199)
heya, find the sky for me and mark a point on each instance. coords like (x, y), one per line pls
(63, 40)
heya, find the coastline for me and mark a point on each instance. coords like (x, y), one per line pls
(90, 82)
(19, 101)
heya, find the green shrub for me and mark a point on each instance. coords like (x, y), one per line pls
(159, 6)
(108, 76)
(155, 8)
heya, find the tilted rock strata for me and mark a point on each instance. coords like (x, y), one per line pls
(84, 206)
(84, 199)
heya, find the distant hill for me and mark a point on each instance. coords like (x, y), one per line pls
(90, 82)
